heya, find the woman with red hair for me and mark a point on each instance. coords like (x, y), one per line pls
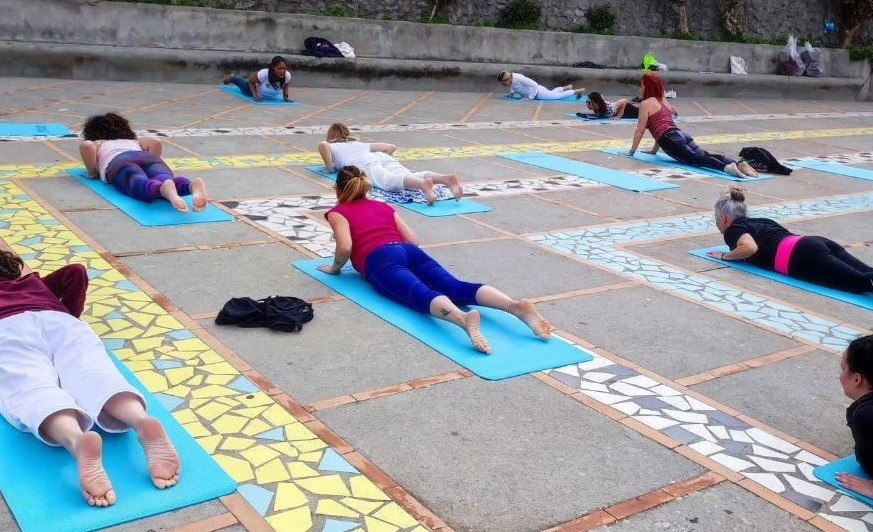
(656, 115)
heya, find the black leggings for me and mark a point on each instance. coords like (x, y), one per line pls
(681, 146)
(822, 261)
(630, 111)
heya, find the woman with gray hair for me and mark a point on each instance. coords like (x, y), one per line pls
(768, 245)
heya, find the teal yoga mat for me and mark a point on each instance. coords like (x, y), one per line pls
(234, 91)
(832, 168)
(665, 160)
(572, 99)
(828, 474)
(602, 119)
(446, 207)
(33, 130)
(593, 172)
(515, 350)
(861, 300)
(41, 486)
(153, 214)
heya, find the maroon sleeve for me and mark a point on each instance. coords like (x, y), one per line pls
(69, 284)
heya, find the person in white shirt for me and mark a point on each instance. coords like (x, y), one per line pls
(271, 83)
(530, 89)
(341, 149)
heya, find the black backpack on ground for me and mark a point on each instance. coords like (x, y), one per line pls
(763, 161)
(279, 313)
(320, 47)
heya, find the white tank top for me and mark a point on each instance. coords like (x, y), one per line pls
(348, 153)
(110, 149)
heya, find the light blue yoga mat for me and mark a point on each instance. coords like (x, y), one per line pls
(443, 207)
(572, 99)
(33, 130)
(41, 483)
(832, 168)
(828, 474)
(602, 119)
(593, 172)
(665, 160)
(515, 350)
(234, 91)
(151, 214)
(861, 300)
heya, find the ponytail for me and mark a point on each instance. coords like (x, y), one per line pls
(352, 184)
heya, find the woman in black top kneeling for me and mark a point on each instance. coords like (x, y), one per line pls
(768, 245)
(856, 379)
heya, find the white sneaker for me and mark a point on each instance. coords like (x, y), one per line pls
(670, 94)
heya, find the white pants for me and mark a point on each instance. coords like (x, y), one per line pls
(51, 361)
(558, 93)
(384, 171)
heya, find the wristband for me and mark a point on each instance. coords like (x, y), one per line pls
(722, 256)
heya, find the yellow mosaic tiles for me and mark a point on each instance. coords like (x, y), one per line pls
(183, 164)
(289, 475)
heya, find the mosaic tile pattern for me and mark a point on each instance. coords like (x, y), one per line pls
(601, 245)
(288, 474)
(761, 457)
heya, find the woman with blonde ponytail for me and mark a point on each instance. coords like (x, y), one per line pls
(384, 250)
(341, 149)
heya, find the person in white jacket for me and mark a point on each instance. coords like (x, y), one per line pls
(530, 89)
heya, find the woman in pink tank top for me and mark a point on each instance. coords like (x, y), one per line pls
(384, 250)
(656, 115)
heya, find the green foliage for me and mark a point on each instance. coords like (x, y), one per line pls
(340, 11)
(680, 36)
(860, 53)
(601, 19)
(438, 18)
(521, 15)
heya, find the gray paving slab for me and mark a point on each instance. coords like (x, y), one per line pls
(203, 280)
(526, 214)
(619, 204)
(520, 269)
(363, 353)
(173, 520)
(800, 396)
(66, 193)
(7, 520)
(665, 334)
(507, 455)
(468, 170)
(675, 252)
(412, 139)
(803, 184)
(119, 233)
(240, 145)
(237, 184)
(845, 229)
(32, 151)
(442, 229)
(725, 507)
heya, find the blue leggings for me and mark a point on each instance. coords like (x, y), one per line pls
(140, 174)
(243, 85)
(406, 274)
(681, 146)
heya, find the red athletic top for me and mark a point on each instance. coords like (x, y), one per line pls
(372, 226)
(63, 291)
(661, 122)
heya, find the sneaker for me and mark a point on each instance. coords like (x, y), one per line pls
(670, 94)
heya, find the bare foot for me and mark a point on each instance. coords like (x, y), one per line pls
(164, 465)
(96, 487)
(427, 188)
(579, 93)
(472, 321)
(526, 312)
(747, 169)
(227, 79)
(168, 191)
(198, 190)
(856, 484)
(734, 171)
(567, 87)
(455, 187)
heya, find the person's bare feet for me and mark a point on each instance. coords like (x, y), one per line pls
(164, 465)
(579, 93)
(168, 191)
(96, 486)
(227, 79)
(747, 169)
(198, 190)
(472, 322)
(427, 188)
(525, 310)
(455, 187)
(856, 484)
(567, 87)
(734, 171)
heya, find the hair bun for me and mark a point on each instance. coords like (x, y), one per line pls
(736, 194)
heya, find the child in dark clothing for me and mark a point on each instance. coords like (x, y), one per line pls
(856, 379)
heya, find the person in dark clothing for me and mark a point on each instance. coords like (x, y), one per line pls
(856, 376)
(768, 245)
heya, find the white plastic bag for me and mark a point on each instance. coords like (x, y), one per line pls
(345, 49)
(790, 63)
(738, 65)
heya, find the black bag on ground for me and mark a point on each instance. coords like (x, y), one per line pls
(320, 47)
(764, 161)
(280, 313)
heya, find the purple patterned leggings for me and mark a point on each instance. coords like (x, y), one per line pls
(139, 174)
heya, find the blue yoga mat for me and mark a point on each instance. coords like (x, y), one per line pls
(861, 300)
(33, 130)
(828, 474)
(153, 214)
(572, 99)
(602, 119)
(593, 172)
(41, 483)
(234, 91)
(839, 169)
(515, 350)
(445, 207)
(665, 160)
